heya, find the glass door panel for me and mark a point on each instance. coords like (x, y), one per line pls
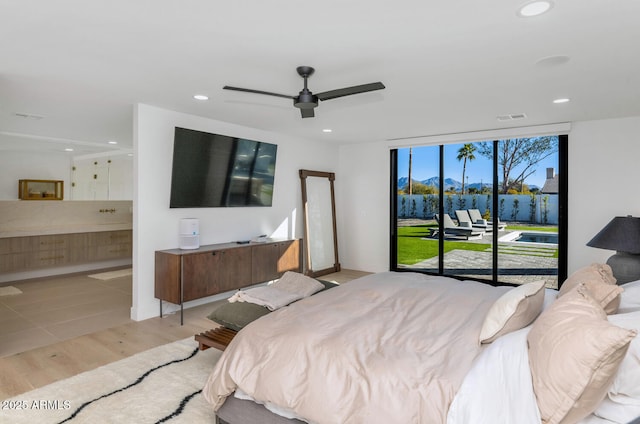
(418, 200)
(467, 207)
(528, 206)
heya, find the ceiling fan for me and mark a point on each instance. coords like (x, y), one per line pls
(306, 101)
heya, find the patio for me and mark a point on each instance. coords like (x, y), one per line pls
(518, 263)
(513, 268)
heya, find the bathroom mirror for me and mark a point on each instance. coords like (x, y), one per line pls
(319, 212)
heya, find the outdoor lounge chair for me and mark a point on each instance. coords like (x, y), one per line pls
(451, 229)
(475, 216)
(464, 220)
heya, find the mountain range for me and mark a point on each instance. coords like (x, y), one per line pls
(448, 183)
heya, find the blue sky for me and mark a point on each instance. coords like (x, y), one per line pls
(425, 165)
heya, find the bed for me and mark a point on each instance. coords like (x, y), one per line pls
(411, 348)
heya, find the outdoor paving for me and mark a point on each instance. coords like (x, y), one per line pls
(512, 268)
(518, 263)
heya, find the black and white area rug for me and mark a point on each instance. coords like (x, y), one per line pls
(161, 385)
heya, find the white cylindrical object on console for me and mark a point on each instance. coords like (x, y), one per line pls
(189, 233)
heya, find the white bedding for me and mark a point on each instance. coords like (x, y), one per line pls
(501, 370)
(355, 367)
(379, 354)
(506, 395)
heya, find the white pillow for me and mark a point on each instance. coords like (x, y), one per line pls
(630, 297)
(550, 296)
(617, 413)
(623, 397)
(626, 386)
(514, 310)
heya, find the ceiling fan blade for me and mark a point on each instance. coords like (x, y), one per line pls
(341, 92)
(248, 90)
(307, 113)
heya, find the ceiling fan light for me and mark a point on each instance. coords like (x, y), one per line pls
(305, 100)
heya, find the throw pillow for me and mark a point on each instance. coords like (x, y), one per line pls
(596, 277)
(514, 310)
(574, 354)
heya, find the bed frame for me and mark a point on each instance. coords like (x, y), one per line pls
(239, 411)
(218, 338)
(234, 410)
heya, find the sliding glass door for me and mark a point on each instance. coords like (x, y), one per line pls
(418, 202)
(486, 210)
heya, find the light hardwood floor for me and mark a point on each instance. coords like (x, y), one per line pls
(99, 329)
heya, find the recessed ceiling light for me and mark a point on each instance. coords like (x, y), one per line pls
(68, 149)
(112, 142)
(327, 130)
(562, 100)
(556, 60)
(534, 8)
(201, 97)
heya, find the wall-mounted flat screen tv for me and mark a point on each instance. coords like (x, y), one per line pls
(215, 170)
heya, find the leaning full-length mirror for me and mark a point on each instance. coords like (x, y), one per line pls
(319, 211)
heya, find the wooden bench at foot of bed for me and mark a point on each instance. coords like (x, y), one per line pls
(218, 338)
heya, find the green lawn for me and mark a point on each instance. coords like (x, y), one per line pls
(414, 244)
(413, 248)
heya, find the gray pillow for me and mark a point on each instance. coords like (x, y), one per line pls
(237, 315)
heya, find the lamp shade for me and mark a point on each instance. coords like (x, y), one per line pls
(622, 234)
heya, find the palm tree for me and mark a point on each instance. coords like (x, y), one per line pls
(466, 153)
(410, 164)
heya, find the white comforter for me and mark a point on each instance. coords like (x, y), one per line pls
(389, 347)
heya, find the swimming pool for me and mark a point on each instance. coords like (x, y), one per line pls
(549, 238)
(530, 237)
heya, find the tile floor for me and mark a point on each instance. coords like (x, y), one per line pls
(53, 309)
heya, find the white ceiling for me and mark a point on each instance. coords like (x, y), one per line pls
(448, 67)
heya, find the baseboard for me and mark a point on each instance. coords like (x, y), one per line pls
(49, 272)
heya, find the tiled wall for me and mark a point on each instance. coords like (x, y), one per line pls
(36, 217)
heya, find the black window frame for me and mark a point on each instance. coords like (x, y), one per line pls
(563, 191)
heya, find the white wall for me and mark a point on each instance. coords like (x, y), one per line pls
(156, 225)
(103, 176)
(362, 206)
(30, 165)
(603, 177)
(35, 165)
(603, 173)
